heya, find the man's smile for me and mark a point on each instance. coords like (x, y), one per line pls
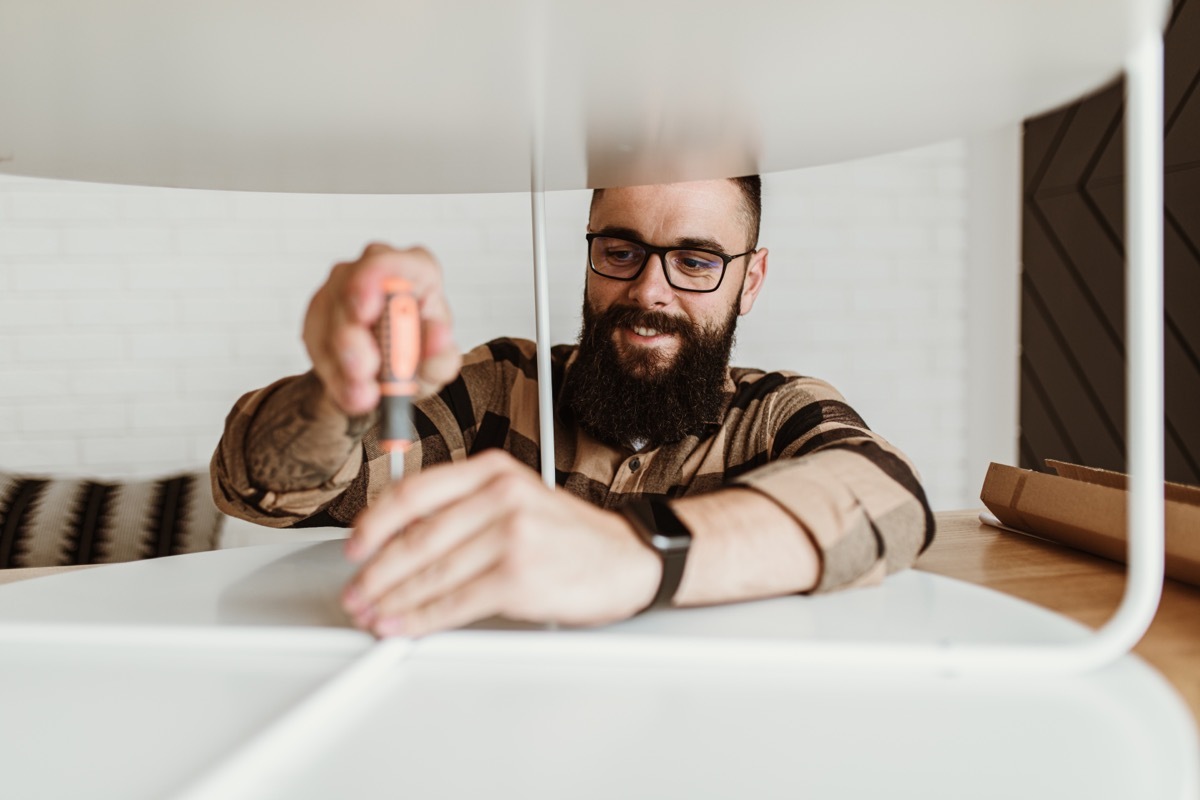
(640, 336)
(646, 334)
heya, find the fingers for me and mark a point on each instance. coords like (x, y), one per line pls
(362, 292)
(446, 575)
(430, 552)
(481, 537)
(474, 600)
(344, 356)
(357, 357)
(422, 494)
(439, 532)
(441, 359)
(339, 326)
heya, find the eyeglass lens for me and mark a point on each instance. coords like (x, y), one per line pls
(686, 269)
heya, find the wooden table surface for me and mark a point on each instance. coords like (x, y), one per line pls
(1081, 586)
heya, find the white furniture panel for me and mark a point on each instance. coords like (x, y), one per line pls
(416, 97)
(697, 702)
(105, 721)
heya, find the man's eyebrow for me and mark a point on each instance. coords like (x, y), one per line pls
(619, 232)
(701, 244)
(698, 243)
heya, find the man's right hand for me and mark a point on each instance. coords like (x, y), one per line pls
(310, 429)
(339, 328)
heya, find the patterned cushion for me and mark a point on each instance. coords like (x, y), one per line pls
(48, 521)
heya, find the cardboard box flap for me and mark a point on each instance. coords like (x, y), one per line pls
(1175, 492)
(1089, 515)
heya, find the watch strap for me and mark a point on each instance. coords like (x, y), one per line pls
(664, 533)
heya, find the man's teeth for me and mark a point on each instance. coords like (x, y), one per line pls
(644, 331)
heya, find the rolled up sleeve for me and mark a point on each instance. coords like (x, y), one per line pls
(855, 495)
(236, 495)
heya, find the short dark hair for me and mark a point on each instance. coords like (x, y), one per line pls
(751, 188)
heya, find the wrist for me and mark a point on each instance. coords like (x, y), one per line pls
(645, 569)
(667, 538)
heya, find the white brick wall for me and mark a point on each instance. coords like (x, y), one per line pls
(866, 289)
(131, 318)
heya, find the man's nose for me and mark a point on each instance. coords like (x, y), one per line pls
(651, 288)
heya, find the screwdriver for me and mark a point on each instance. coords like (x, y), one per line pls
(399, 334)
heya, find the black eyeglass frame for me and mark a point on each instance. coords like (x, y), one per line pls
(661, 252)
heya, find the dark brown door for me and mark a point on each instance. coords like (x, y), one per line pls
(1073, 366)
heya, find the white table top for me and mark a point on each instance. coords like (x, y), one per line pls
(216, 697)
(413, 97)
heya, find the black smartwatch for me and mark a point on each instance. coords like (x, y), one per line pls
(665, 534)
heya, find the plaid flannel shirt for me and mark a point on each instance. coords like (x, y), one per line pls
(791, 438)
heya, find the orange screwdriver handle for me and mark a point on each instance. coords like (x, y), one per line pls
(400, 347)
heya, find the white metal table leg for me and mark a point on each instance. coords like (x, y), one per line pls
(541, 292)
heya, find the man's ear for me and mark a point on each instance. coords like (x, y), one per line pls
(756, 273)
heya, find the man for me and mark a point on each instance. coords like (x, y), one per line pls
(779, 483)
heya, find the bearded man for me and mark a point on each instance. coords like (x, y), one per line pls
(682, 481)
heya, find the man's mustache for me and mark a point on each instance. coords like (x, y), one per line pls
(629, 317)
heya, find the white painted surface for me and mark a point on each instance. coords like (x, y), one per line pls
(529, 712)
(297, 585)
(993, 300)
(120, 721)
(1145, 418)
(918, 622)
(234, 95)
(271, 585)
(520, 728)
(240, 533)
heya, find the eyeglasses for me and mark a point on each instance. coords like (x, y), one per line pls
(687, 269)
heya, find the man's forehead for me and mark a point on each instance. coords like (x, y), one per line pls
(677, 210)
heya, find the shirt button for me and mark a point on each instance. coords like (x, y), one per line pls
(635, 465)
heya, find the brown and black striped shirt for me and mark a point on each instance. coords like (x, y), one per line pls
(791, 438)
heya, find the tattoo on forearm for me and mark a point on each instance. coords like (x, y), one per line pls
(357, 427)
(292, 444)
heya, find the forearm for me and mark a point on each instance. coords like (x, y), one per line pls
(835, 506)
(282, 456)
(860, 503)
(846, 516)
(744, 547)
(298, 439)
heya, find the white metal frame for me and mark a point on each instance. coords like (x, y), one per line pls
(1143, 198)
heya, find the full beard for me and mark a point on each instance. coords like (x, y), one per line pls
(641, 396)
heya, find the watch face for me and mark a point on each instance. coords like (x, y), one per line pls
(665, 521)
(666, 543)
(659, 526)
(661, 530)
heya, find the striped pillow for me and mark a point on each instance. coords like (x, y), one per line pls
(47, 522)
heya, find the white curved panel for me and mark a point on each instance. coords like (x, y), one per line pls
(112, 721)
(284, 585)
(297, 586)
(539, 713)
(511, 727)
(418, 96)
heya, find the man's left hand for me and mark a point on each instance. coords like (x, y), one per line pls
(484, 537)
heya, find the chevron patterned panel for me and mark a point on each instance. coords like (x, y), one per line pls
(1072, 402)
